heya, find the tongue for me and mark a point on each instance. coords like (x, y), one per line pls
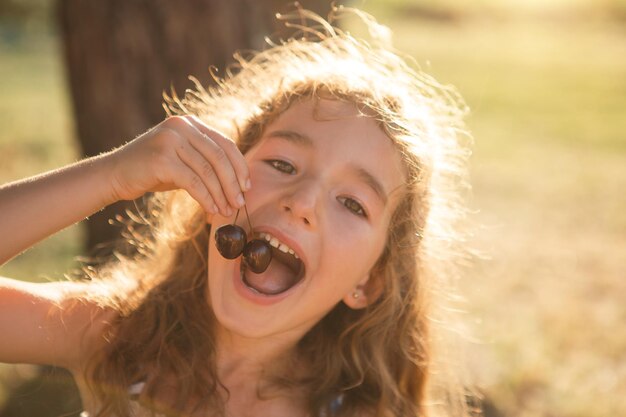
(276, 279)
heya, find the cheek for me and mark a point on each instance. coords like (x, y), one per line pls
(352, 249)
(262, 186)
(218, 267)
(213, 266)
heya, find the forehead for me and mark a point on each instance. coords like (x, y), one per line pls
(342, 135)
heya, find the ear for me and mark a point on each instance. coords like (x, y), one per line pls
(364, 294)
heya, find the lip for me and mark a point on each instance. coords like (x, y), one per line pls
(265, 299)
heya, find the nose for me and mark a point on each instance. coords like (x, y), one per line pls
(301, 202)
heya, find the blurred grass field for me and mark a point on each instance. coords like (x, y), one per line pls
(546, 85)
(36, 135)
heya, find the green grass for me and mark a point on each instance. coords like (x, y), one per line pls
(35, 136)
(35, 118)
(546, 84)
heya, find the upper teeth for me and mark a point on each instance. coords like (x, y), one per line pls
(277, 244)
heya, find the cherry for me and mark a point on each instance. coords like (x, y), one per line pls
(257, 255)
(230, 240)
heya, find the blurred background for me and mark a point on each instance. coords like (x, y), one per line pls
(546, 84)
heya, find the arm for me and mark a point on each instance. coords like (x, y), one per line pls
(181, 152)
(37, 207)
(46, 323)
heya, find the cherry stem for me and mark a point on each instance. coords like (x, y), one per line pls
(236, 215)
(245, 207)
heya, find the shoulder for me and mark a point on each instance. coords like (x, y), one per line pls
(51, 323)
(66, 325)
(85, 322)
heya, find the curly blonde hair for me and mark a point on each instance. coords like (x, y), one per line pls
(380, 359)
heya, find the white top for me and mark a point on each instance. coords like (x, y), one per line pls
(136, 410)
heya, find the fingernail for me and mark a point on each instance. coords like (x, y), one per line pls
(248, 184)
(228, 211)
(215, 209)
(240, 200)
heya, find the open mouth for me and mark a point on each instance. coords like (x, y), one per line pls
(285, 270)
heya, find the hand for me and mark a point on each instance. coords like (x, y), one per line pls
(182, 153)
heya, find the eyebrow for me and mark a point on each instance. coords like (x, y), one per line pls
(291, 136)
(371, 181)
(363, 174)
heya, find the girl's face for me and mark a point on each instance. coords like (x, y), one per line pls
(325, 182)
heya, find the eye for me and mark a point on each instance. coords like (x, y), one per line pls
(282, 166)
(353, 205)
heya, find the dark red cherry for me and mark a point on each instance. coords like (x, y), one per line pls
(258, 255)
(230, 240)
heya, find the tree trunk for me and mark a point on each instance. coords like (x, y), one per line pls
(123, 54)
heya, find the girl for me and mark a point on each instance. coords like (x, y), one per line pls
(334, 152)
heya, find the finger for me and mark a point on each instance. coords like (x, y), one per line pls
(232, 151)
(213, 166)
(207, 173)
(224, 169)
(187, 179)
(220, 163)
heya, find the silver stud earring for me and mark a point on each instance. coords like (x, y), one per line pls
(356, 294)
